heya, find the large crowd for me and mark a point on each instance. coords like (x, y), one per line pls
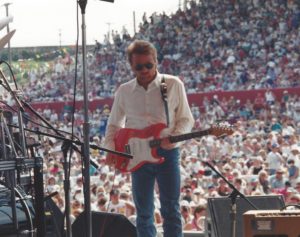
(261, 157)
(211, 45)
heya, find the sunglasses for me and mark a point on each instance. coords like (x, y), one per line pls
(139, 67)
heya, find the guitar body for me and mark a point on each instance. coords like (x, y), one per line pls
(142, 144)
(137, 140)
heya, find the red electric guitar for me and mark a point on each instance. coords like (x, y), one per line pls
(142, 144)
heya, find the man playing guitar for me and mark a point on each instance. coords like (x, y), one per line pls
(139, 106)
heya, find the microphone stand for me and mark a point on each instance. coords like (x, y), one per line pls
(66, 145)
(233, 197)
(65, 165)
(86, 129)
(93, 146)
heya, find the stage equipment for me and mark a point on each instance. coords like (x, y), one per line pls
(86, 129)
(218, 219)
(233, 205)
(67, 144)
(271, 223)
(12, 193)
(104, 225)
(27, 215)
(24, 212)
(54, 218)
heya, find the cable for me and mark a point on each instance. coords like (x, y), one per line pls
(68, 169)
(11, 72)
(11, 109)
(27, 211)
(75, 85)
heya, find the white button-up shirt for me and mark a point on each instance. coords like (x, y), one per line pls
(135, 107)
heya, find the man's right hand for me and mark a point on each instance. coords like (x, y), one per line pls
(111, 160)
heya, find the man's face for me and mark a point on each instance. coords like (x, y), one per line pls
(144, 67)
(114, 197)
(279, 175)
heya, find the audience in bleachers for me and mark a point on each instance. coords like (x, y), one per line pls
(212, 45)
(261, 157)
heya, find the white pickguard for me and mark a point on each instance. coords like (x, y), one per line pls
(141, 152)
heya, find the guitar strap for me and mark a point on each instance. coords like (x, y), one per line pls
(163, 90)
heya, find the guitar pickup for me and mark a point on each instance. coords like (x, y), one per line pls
(127, 149)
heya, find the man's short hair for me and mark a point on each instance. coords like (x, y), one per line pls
(141, 47)
(114, 192)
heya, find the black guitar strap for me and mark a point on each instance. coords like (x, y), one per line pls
(163, 90)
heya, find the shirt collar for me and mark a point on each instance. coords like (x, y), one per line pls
(155, 83)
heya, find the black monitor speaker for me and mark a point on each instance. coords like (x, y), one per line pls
(104, 225)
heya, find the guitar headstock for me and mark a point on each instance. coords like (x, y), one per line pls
(221, 130)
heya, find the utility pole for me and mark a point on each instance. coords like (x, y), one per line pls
(108, 32)
(7, 29)
(134, 23)
(59, 35)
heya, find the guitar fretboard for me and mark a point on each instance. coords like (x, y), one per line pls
(179, 138)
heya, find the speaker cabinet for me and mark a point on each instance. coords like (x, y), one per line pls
(54, 219)
(272, 223)
(104, 225)
(219, 218)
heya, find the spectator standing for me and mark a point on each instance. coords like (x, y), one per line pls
(274, 159)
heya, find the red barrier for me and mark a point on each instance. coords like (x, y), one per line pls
(196, 99)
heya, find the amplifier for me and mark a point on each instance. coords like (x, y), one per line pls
(272, 223)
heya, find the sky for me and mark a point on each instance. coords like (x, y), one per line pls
(54, 22)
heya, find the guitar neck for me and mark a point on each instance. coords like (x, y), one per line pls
(180, 138)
